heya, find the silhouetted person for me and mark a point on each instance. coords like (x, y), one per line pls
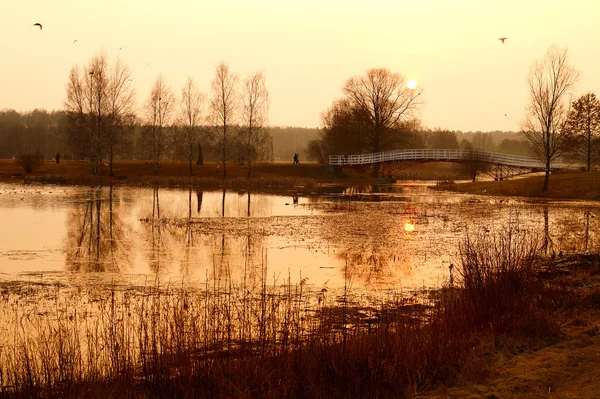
(296, 159)
(58, 157)
(295, 199)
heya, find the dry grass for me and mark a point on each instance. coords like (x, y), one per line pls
(263, 339)
(567, 185)
(176, 174)
(305, 176)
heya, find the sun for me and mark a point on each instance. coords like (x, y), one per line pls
(411, 84)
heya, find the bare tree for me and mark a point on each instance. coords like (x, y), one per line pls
(550, 80)
(474, 161)
(87, 106)
(385, 99)
(223, 107)
(190, 116)
(255, 138)
(121, 112)
(584, 127)
(159, 108)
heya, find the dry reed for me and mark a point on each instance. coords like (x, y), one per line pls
(262, 338)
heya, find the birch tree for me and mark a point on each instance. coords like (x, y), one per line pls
(550, 81)
(190, 117)
(254, 136)
(87, 107)
(159, 110)
(223, 108)
(121, 109)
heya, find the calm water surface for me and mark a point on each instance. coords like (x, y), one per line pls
(400, 237)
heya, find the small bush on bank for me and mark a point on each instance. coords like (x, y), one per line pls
(31, 162)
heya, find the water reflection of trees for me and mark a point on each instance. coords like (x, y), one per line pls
(574, 230)
(97, 239)
(217, 254)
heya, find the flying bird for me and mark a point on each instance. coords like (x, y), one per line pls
(121, 48)
(75, 41)
(502, 39)
(38, 24)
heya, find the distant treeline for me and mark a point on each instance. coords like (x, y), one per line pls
(46, 132)
(411, 135)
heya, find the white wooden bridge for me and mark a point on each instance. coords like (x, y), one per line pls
(495, 164)
(433, 155)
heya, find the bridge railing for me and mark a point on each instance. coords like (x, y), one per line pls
(429, 154)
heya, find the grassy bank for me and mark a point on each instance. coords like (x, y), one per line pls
(563, 185)
(280, 340)
(176, 174)
(304, 177)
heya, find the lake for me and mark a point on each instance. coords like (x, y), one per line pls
(399, 238)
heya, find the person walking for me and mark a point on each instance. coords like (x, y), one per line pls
(58, 157)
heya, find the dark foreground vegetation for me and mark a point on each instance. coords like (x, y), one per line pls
(263, 338)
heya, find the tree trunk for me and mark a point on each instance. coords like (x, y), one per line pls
(200, 160)
(111, 161)
(589, 150)
(224, 155)
(547, 177)
(191, 149)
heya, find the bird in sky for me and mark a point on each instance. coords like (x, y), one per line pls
(121, 48)
(75, 41)
(38, 24)
(502, 39)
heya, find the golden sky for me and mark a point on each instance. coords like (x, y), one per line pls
(306, 48)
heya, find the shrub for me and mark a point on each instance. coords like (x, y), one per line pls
(498, 276)
(31, 162)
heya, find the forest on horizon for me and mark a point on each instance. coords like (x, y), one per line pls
(46, 132)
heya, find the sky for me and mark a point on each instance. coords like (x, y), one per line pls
(307, 50)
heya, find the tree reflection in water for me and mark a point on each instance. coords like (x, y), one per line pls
(576, 230)
(217, 254)
(160, 244)
(97, 238)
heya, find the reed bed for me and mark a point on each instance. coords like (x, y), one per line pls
(261, 338)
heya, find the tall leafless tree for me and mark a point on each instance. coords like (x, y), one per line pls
(550, 80)
(121, 109)
(255, 138)
(159, 109)
(584, 127)
(223, 108)
(190, 117)
(88, 108)
(384, 98)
